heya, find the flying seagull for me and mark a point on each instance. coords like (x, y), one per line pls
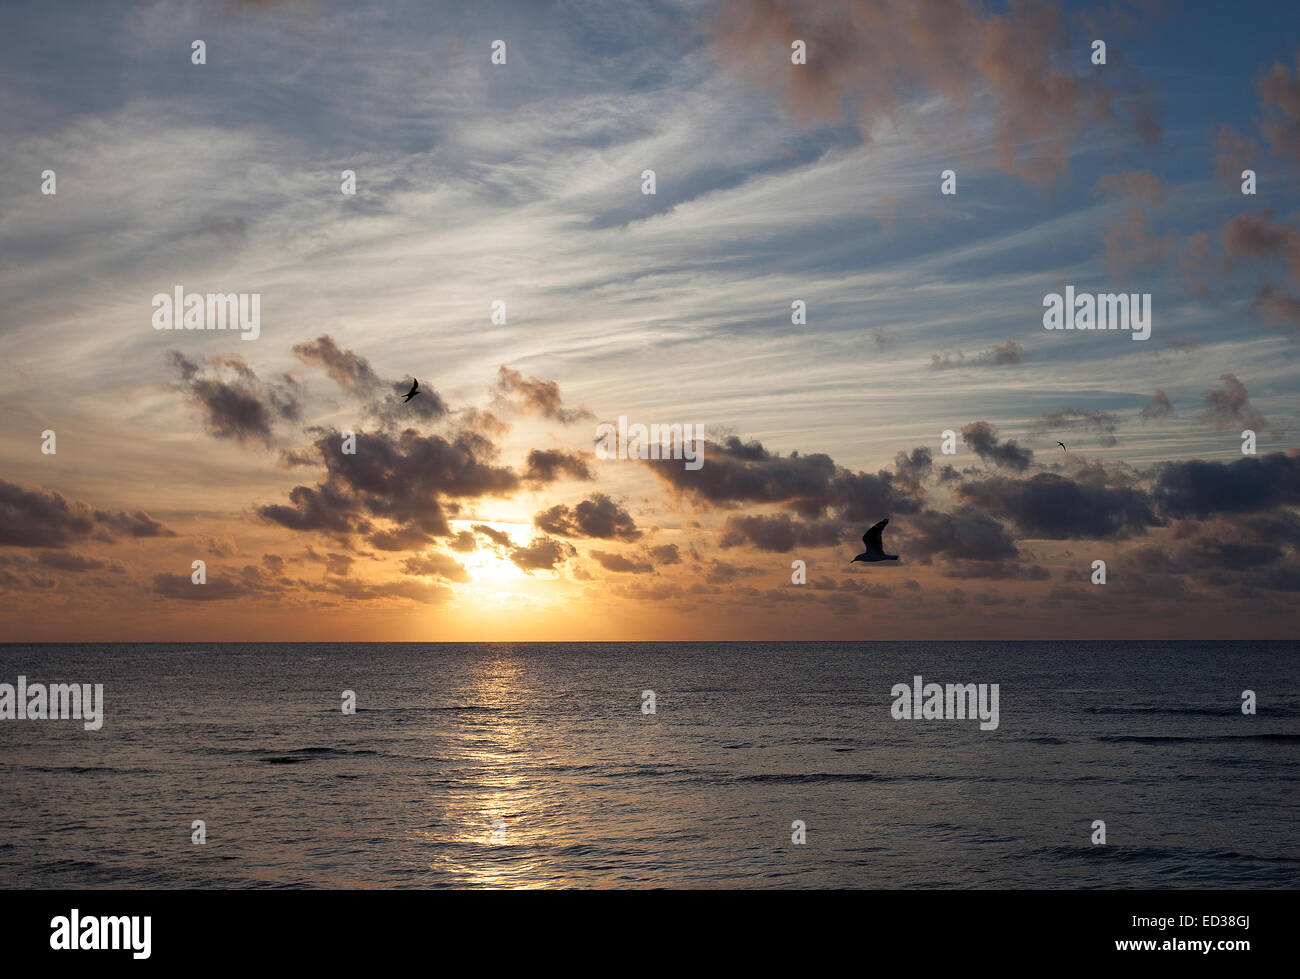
(1062, 445)
(875, 547)
(415, 389)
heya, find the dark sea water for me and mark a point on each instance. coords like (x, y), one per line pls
(548, 741)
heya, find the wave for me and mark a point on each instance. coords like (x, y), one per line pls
(1230, 709)
(1194, 738)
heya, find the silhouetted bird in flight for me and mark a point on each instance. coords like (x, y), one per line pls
(875, 547)
(1062, 445)
(415, 389)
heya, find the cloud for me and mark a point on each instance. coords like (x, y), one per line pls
(809, 485)
(597, 516)
(547, 465)
(421, 592)
(621, 564)
(435, 564)
(353, 373)
(1233, 154)
(1247, 485)
(665, 554)
(224, 227)
(982, 437)
(1129, 240)
(542, 554)
(409, 479)
(347, 369)
(182, 587)
(1258, 236)
(498, 537)
(1102, 424)
(1056, 508)
(531, 396)
(463, 542)
(1006, 353)
(400, 539)
(1229, 407)
(1278, 310)
(779, 533)
(31, 516)
(867, 59)
(67, 561)
(963, 533)
(235, 403)
(1280, 96)
(1158, 407)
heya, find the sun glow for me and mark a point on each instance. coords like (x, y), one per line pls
(488, 564)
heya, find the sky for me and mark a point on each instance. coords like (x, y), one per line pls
(798, 285)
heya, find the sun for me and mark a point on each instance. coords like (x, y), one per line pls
(487, 565)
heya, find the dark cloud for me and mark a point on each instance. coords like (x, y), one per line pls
(1056, 508)
(982, 437)
(183, 587)
(400, 539)
(914, 469)
(531, 396)
(421, 592)
(325, 509)
(138, 524)
(347, 369)
(393, 412)
(779, 533)
(37, 517)
(1159, 406)
(547, 465)
(996, 571)
(435, 564)
(1229, 406)
(597, 516)
(542, 554)
(463, 542)
(409, 479)
(234, 402)
(746, 472)
(619, 563)
(353, 373)
(67, 561)
(1247, 485)
(721, 573)
(665, 554)
(498, 537)
(964, 533)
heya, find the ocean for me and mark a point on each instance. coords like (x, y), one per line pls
(534, 765)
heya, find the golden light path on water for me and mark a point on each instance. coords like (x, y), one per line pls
(494, 834)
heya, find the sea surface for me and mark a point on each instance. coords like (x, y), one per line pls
(547, 742)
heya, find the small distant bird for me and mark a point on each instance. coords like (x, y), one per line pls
(875, 547)
(415, 389)
(1062, 445)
